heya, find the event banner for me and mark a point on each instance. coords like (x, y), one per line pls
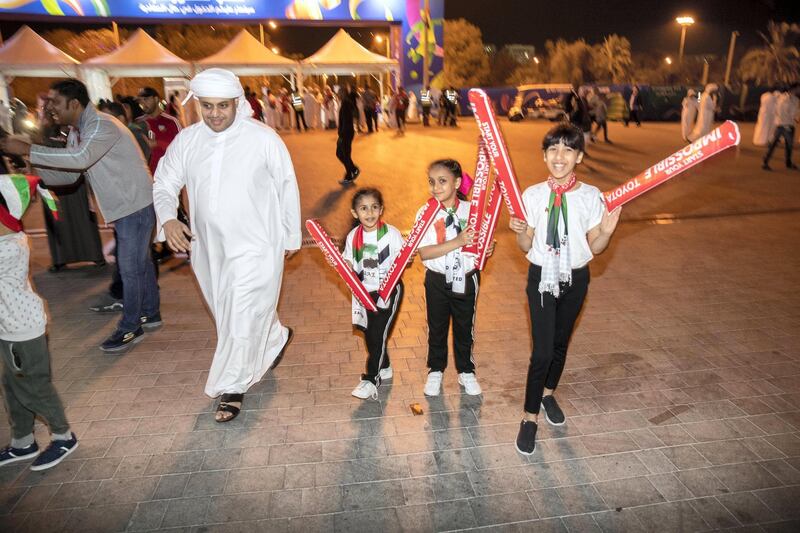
(493, 137)
(725, 136)
(335, 259)
(410, 245)
(488, 225)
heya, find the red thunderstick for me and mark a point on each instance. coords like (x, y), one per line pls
(409, 247)
(478, 195)
(493, 137)
(337, 262)
(725, 136)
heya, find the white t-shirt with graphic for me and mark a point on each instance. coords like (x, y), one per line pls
(437, 234)
(374, 269)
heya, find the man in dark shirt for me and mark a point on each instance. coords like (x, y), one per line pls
(344, 145)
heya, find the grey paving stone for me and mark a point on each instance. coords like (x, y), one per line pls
(33, 498)
(499, 509)
(300, 476)
(148, 516)
(76, 494)
(171, 486)
(702, 482)
(628, 492)
(542, 475)
(745, 476)
(42, 522)
(185, 512)
(286, 503)
(725, 452)
(235, 507)
(623, 520)
(581, 499)
(206, 483)
(295, 453)
(321, 500)
(501, 480)
(581, 523)
(418, 490)
(414, 518)
(452, 515)
(685, 457)
(452, 486)
(673, 516)
(670, 487)
(782, 500)
(373, 495)
(746, 507)
(547, 503)
(255, 479)
(374, 520)
(128, 490)
(616, 466)
(100, 468)
(714, 513)
(101, 519)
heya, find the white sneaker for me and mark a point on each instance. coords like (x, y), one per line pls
(366, 389)
(386, 373)
(434, 384)
(470, 383)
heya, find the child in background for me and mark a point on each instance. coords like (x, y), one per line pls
(27, 389)
(451, 281)
(371, 248)
(567, 223)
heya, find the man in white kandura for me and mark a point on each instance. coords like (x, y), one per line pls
(244, 208)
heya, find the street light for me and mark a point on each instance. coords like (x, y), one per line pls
(379, 39)
(668, 60)
(536, 60)
(276, 50)
(272, 25)
(685, 22)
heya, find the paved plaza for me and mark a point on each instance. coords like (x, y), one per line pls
(682, 387)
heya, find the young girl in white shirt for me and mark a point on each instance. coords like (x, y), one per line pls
(371, 248)
(567, 223)
(451, 280)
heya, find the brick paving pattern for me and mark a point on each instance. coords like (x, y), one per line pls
(681, 389)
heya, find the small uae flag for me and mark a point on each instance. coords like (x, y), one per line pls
(18, 190)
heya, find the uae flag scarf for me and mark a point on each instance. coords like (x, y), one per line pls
(557, 267)
(383, 250)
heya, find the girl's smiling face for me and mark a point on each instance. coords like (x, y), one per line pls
(561, 160)
(368, 212)
(443, 185)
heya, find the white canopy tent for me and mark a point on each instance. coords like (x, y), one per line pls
(28, 54)
(140, 56)
(246, 56)
(342, 55)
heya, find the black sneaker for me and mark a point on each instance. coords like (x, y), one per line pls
(10, 455)
(765, 166)
(120, 340)
(356, 172)
(107, 305)
(55, 453)
(526, 438)
(152, 322)
(552, 412)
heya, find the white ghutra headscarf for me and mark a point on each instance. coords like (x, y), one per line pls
(221, 83)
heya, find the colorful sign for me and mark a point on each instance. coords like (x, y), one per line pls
(407, 13)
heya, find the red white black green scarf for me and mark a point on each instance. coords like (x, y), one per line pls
(454, 273)
(557, 266)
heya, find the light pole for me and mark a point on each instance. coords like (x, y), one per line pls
(685, 22)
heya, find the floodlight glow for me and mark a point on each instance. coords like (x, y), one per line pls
(685, 21)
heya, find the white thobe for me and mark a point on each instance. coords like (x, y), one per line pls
(765, 125)
(688, 116)
(705, 117)
(245, 212)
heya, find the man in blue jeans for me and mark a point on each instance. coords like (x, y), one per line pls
(105, 150)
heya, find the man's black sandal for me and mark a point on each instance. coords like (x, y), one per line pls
(225, 407)
(278, 359)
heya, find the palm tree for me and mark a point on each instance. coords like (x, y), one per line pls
(778, 61)
(613, 59)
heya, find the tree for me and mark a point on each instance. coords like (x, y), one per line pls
(534, 71)
(778, 61)
(612, 59)
(502, 66)
(466, 63)
(569, 62)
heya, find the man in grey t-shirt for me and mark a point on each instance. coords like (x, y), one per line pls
(105, 150)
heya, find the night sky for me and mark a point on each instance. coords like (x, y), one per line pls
(649, 25)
